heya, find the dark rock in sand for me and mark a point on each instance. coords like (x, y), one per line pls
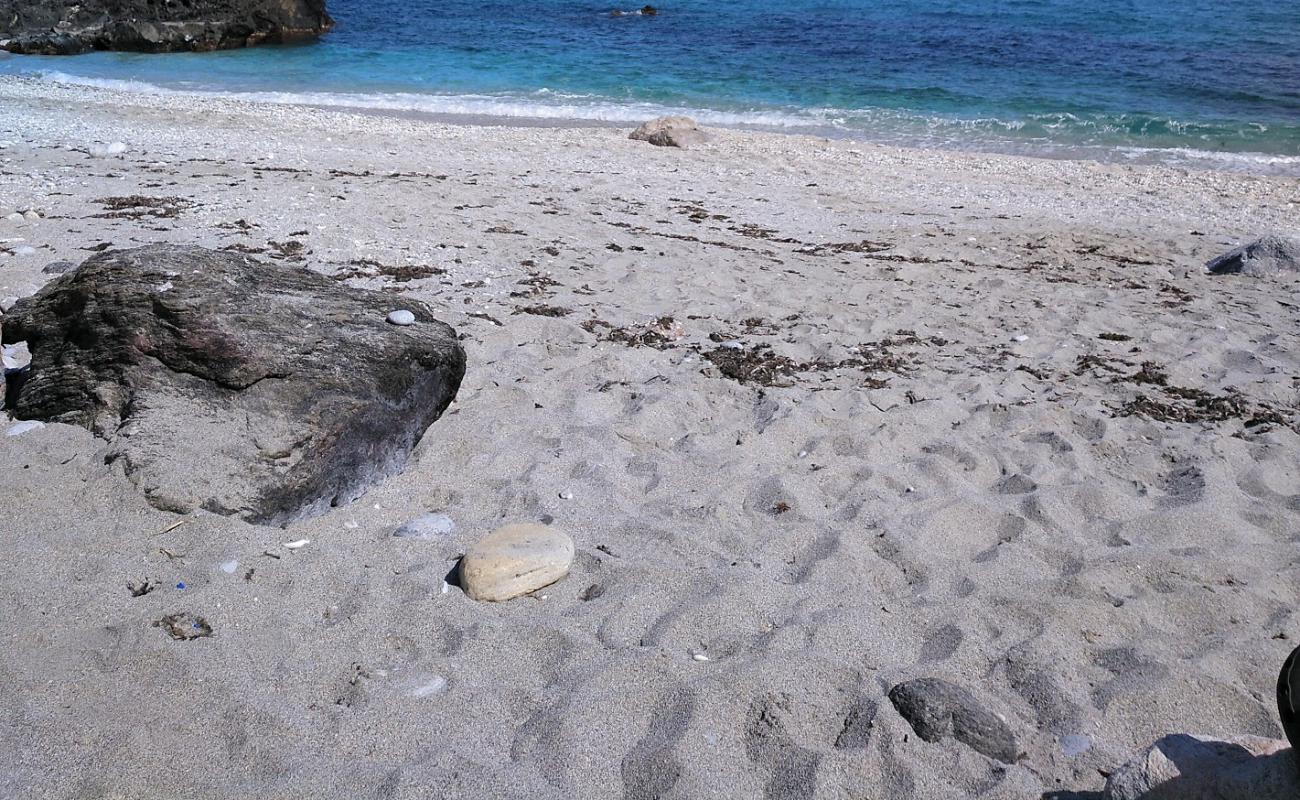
(938, 710)
(263, 391)
(1267, 256)
(53, 27)
(670, 132)
(1288, 697)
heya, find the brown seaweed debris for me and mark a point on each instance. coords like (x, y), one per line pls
(369, 268)
(541, 310)
(756, 364)
(830, 248)
(1189, 405)
(184, 626)
(139, 206)
(1151, 373)
(291, 250)
(1090, 361)
(661, 334)
(537, 286)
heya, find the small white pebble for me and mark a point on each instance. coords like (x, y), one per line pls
(401, 317)
(230, 566)
(298, 544)
(699, 657)
(566, 495)
(166, 287)
(1020, 338)
(732, 346)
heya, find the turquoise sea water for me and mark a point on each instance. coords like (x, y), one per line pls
(1173, 80)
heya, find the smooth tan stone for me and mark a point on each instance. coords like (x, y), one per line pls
(515, 560)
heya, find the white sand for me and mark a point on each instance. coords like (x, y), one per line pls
(979, 511)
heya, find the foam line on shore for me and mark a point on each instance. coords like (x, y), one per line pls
(878, 125)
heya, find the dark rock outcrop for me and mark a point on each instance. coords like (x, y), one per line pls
(263, 391)
(1270, 255)
(56, 27)
(938, 710)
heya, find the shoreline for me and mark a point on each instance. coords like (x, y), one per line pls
(404, 107)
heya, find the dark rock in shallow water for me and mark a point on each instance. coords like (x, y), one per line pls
(263, 391)
(44, 27)
(938, 710)
(1267, 256)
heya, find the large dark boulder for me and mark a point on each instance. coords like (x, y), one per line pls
(263, 391)
(51, 27)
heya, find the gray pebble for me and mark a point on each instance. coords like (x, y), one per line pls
(401, 317)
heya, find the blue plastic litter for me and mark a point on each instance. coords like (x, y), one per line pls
(180, 585)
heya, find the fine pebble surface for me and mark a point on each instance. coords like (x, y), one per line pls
(769, 387)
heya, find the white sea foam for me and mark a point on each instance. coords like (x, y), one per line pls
(887, 126)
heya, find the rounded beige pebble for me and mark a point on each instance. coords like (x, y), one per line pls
(515, 560)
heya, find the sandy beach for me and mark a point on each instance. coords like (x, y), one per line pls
(820, 416)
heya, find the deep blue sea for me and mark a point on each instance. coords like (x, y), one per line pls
(1170, 80)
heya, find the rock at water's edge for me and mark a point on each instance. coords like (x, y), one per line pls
(263, 391)
(57, 27)
(670, 132)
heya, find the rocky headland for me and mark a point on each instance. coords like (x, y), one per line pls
(62, 28)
